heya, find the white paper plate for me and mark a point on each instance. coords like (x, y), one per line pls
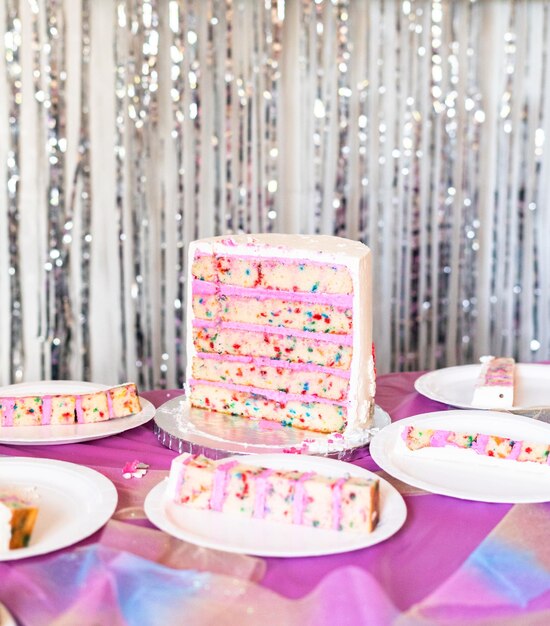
(486, 481)
(263, 538)
(55, 434)
(73, 502)
(455, 385)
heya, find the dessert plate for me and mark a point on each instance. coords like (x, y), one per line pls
(73, 501)
(455, 385)
(187, 429)
(462, 474)
(55, 434)
(263, 538)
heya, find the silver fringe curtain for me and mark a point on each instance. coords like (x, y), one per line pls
(130, 127)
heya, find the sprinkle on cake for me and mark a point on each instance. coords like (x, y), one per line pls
(279, 328)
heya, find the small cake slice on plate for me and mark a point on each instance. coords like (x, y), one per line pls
(495, 384)
(492, 446)
(294, 497)
(17, 518)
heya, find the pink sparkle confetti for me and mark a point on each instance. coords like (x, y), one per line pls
(134, 469)
(229, 241)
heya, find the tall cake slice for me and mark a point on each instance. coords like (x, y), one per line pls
(494, 387)
(280, 328)
(293, 497)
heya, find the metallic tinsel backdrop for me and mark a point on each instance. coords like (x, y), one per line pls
(130, 127)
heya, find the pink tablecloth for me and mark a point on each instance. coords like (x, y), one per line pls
(409, 570)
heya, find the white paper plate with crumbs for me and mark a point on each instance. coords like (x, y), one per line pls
(462, 473)
(73, 501)
(264, 538)
(455, 385)
(54, 434)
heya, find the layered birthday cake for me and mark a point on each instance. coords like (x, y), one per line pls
(494, 387)
(65, 409)
(18, 514)
(305, 498)
(280, 328)
(482, 445)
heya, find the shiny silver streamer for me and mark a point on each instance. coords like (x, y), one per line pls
(419, 127)
(12, 42)
(60, 315)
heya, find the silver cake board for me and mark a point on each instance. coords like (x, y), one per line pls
(182, 428)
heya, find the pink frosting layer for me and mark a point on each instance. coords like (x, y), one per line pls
(261, 491)
(78, 408)
(299, 497)
(265, 362)
(219, 487)
(7, 411)
(277, 396)
(338, 300)
(46, 410)
(344, 340)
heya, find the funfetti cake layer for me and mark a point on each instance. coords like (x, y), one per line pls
(302, 302)
(293, 497)
(491, 446)
(495, 384)
(63, 409)
(123, 400)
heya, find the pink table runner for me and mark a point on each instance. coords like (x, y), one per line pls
(452, 561)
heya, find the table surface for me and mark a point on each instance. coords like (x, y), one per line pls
(436, 541)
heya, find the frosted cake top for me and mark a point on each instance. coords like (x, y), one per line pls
(278, 245)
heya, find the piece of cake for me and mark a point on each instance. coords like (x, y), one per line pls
(92, 407)
(483, 445)
(280, 328)
(17, 518)
(293, 497)
(123, 400)
(61, 409)
(24, 411)
(66, 409)
(494, 387)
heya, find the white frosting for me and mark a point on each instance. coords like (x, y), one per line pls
(493, 397)
(5, 527)
(321, 248)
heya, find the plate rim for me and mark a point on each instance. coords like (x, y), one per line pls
(155, 500)
(420, 385)
(105, 487)
(389, 434)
